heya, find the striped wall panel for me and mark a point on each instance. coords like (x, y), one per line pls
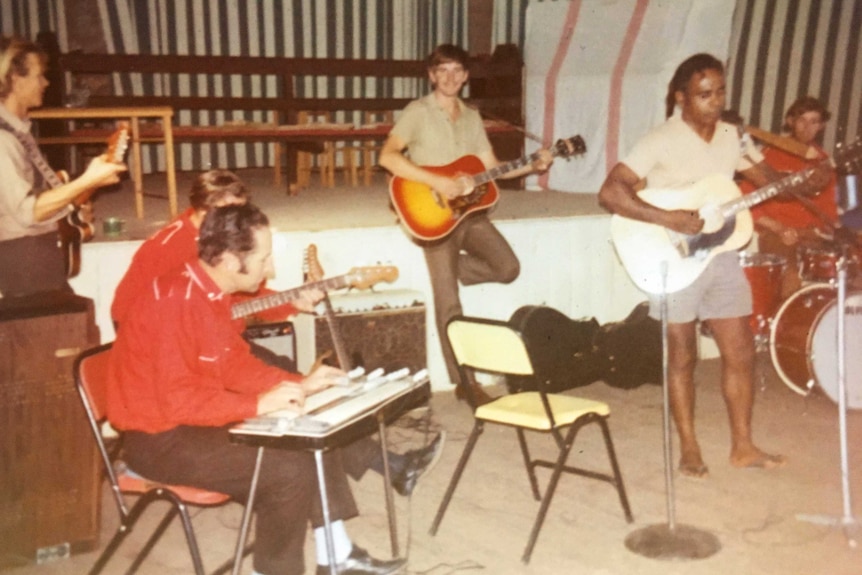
(29, 17)
(783, 49)
(299, 28)
(779, 50)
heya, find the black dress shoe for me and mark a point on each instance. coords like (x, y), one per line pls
(416, 463)
(359, 562)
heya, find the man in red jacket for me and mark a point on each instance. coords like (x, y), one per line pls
(182, 374)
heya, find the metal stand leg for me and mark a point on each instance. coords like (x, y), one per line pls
(670, 541)
(849, 523)
(324, 503)
(246, 514)
(387, 486)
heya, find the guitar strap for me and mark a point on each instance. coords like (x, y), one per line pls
(48, 176)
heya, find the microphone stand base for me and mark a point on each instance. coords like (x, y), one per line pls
(681, 542)
(850, 525)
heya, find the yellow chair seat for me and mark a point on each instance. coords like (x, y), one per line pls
(526, 410)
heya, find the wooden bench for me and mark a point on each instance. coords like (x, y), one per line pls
(249, 100)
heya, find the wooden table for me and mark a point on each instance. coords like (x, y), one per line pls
(133, 115)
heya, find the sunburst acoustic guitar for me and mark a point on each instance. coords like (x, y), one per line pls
(429, 216)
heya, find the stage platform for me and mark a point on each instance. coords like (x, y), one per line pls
(562, 241)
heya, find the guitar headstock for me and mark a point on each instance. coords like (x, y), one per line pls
(366, 277)
(118, 143)
(568, 147)
(311, 268)
(848, 157)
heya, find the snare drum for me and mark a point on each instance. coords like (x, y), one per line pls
(818, 264)
(764, 275)
(803, 342)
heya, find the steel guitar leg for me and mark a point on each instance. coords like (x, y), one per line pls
(324, 504)
(246, 514)
(387, 485)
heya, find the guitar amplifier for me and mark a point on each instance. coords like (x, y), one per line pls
(50, 484)
(383, 329)
(274, 343)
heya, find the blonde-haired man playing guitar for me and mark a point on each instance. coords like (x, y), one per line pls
(32, 199)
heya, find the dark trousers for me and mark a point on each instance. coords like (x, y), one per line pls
(475, 252)
(287, 495)
(32, 265)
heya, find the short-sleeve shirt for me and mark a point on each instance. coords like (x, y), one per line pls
(433, 139)
(673, 155)
(17, 186)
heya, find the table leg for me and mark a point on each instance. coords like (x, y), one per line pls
(387, 486)
(324, 503)
(170, 166)
(137, 168)
(246, 514)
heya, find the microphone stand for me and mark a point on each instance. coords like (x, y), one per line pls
(847, 521)
(670, 541)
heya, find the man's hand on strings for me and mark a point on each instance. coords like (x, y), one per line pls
(286, 395)
(321, 378)
(451, 188)
(308, 298)
(683, 221)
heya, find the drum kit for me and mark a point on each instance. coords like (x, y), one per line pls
(800, 332)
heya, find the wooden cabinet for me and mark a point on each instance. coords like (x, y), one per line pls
(49, 469)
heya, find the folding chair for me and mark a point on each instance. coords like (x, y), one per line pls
(91, 377)
(496, 347)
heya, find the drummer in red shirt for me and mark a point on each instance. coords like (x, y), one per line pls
(796, 230)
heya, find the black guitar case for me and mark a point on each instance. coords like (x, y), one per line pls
(560, 348)
(631, 349)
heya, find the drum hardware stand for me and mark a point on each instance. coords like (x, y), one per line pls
(849, 524)
(670, 540)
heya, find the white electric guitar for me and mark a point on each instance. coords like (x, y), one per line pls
(643, 247)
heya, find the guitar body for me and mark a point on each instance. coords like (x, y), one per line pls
(428, 215)
(642, 246)
(77, 227)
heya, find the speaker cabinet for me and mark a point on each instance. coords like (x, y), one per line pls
(49, 471)
(378, 329)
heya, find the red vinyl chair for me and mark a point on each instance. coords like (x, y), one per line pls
(91, 377)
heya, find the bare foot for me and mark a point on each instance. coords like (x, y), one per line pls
(691, 465)
(755, 458)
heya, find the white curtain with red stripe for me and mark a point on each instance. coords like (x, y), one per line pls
(601, 69)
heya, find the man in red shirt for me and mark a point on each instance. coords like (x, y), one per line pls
(182, 373)
(175, 244)
(786, 225)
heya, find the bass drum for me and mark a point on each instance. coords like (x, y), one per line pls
(803, 342)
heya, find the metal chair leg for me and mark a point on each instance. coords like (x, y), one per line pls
(459, 469)
(549, 492)
(528, 463)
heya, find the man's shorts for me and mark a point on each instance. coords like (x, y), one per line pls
(721, 291)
